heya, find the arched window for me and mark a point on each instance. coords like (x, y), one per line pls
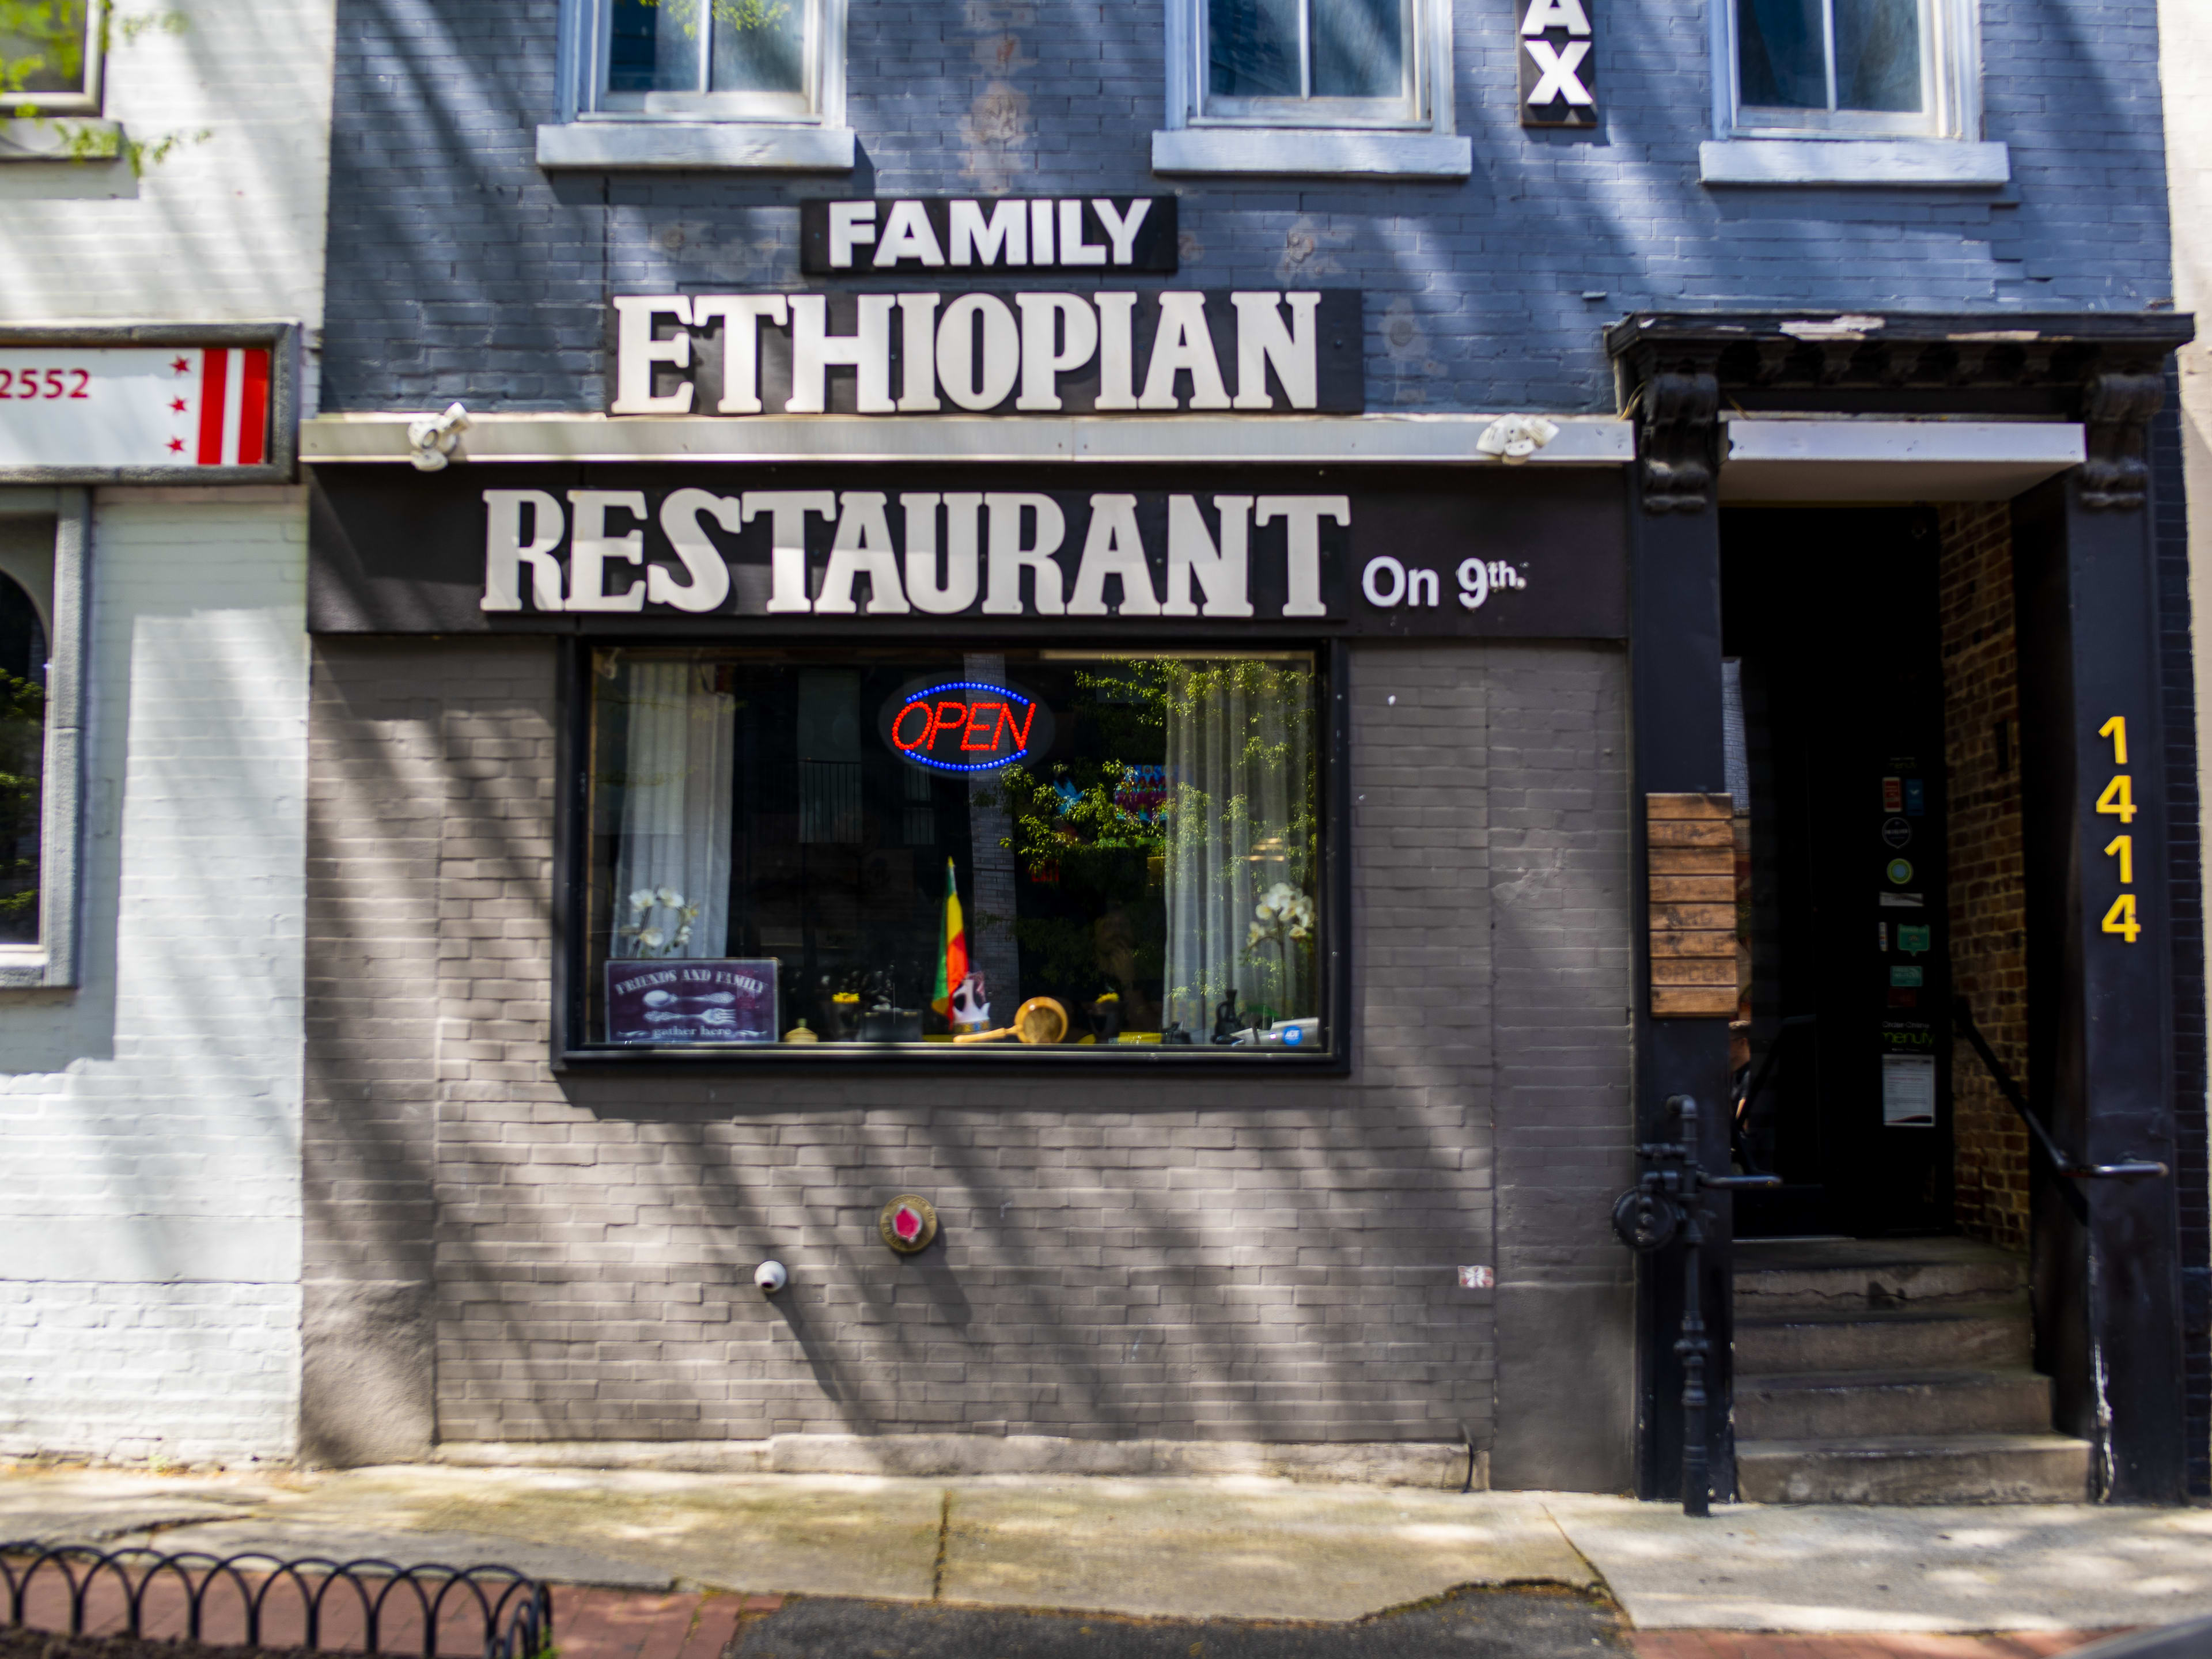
(22, 759)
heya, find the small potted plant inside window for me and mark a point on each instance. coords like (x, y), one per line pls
(1284, 918)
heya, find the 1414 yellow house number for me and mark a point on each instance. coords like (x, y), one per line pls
(2118, 801)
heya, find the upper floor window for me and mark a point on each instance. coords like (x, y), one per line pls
(1848, 67)
(727, 59)
(749, 85)
(1328, 63)
(49, 57)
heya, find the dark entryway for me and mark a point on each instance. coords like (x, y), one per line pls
(1830, 622)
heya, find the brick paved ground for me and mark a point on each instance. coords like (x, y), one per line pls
(597, 1624)
(1768, 1644)
(606, 1624)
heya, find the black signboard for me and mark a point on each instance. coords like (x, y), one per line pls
(1558, 64)
(733, 551)
(947, 235)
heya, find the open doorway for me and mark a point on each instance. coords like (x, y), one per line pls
(1834, 630)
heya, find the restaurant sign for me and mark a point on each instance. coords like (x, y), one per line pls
(1242, 351)
(791, 551)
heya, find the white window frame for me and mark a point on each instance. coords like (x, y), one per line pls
(84, 102)
(1408, 111)
(1950, 85)
(52, 963)
(1415, 139)
(761, 131)
(597, 104)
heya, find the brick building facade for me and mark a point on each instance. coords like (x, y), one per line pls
(514, 1236)
(150, 1040)
(1517, 477)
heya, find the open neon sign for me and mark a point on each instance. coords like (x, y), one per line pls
(966, 725)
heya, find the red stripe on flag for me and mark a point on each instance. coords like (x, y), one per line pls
(253, 409)
(215, 372)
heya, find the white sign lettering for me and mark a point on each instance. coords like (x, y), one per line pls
(1256, 351)
(934, 553)
(934, 233)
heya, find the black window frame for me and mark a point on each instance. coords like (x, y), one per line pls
(572, 1051)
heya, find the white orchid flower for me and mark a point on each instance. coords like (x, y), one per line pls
(1255, 935)
(1266, 912)
(641, 899)
(671, 897)
(653, 939)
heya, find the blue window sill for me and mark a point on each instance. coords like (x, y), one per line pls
(1292, 150)
(1932, 163)
(670, 146)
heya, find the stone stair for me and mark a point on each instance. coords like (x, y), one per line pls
(1893, 1371)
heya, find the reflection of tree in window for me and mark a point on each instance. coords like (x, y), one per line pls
(42, 46)
(1784, 58)
(1236, 815)
(707, 45)
(22, 760)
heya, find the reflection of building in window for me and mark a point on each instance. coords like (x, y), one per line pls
(829, 755)
(22, 759)
(1151, 861)
(1310, 59)
(1848, 67)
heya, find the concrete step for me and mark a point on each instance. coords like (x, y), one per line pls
(1987, 1336)
(1972, 1468)
(1811, 1275)
(1827, 1405)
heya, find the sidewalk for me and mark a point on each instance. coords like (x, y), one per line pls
(688, 1550)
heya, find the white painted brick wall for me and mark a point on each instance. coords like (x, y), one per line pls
(150, 1220)
(228, 227)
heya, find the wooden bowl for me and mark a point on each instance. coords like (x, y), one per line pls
(1041, 1019)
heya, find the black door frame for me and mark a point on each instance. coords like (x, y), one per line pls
(2110, 1302)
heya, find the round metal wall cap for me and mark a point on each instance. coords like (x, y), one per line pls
(907, 1224)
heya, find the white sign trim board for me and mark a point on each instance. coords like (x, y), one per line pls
(214, 405)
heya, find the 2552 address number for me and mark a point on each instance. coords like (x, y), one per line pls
(25, 384)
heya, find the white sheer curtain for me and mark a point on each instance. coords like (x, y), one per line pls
(675, 805)
(1240, 740)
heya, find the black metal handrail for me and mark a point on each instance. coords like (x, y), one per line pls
(517, 1620)
(1670, 1199)
(2061, 1162)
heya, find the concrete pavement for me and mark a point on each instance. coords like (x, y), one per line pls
(1187, 1549)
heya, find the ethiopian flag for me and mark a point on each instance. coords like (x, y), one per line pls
(952, 947)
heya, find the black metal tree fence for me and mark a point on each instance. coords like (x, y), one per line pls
(260, 1601)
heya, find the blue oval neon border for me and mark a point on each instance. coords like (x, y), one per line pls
(961, 686)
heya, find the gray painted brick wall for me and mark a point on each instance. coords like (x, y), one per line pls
(458, 269)
(572, 1257)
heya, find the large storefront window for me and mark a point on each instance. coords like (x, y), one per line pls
(965, 850)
